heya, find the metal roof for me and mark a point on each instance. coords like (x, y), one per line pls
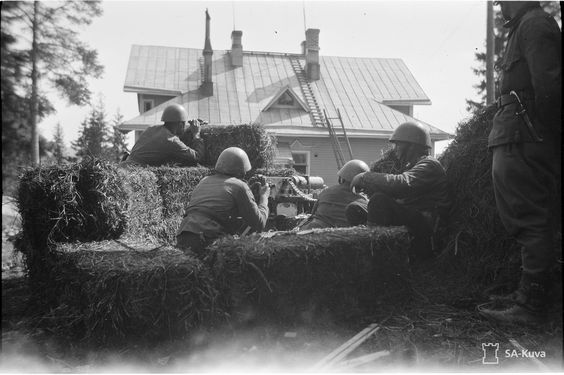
(358, 87)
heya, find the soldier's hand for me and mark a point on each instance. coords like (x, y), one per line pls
(264, 190)
(356, 183)
(195, 127)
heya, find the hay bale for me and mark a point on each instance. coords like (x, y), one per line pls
(252, 138)
(473, 231)
(144, 207)
(298, 276)
(109, 292)
(82, 201)
(70, 202)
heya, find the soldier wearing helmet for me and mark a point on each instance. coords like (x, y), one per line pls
(160, 144)
(329, 210)
(219, 200)
(415, 198)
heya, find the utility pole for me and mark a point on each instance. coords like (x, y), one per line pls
(34, 89)
(490, 48)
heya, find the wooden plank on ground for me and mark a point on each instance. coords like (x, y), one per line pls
(362, 360)
(343, 350)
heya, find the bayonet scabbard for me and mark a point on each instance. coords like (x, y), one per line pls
(523, 114)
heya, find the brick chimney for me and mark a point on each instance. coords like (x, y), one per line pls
(312, 54)
(302, 45)
(207, 84)
(236, 48)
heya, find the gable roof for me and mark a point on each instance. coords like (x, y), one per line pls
(291, 92)
(358, 87)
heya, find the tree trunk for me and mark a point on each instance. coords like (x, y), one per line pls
(34, 94)
(490, 54)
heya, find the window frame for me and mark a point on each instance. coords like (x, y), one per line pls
(144, 101)
(308, 161)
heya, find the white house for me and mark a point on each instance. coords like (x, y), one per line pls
(288, 93)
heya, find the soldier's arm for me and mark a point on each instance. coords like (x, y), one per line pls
(542, 49)
(185, 155)
(418, 179)
(254, 214)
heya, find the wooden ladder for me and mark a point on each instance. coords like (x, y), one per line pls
(314, 110)
(337, 149)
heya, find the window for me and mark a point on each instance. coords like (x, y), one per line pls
(285, 100)
(301, 161)
(148, 104)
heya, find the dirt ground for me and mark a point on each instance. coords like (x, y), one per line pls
(428, 334)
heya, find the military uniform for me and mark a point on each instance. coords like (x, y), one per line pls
(526, 156)
(413, 198)
(215, 206)
(159, 146)
(329, 210)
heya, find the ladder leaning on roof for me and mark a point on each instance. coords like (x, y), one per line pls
(339, 157)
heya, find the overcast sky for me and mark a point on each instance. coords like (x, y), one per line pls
(436, 40)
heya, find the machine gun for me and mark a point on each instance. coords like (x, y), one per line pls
(289, 196)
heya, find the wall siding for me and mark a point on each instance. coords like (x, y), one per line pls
(322, 157)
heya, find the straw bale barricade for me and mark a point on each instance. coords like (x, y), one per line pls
(98, 245)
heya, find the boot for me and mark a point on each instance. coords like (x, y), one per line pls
(527, 305)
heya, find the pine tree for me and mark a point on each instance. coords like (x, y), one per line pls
(94, 139)
(55, 55)
(59, 145)
(119, 145)
(500, 33)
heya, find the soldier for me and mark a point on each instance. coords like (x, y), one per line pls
(160, 144)
(415, 198)
(329, 210)
(525, 142)
(217, 202)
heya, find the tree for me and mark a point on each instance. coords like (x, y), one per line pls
(94, 139)
(119, 145)
(59, 145)
(500, 33)
(55, 55)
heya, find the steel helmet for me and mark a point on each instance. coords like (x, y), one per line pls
(351, 169)
(173, 113)
(413, 133)
(233, 161)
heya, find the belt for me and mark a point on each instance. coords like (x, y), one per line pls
(507, 99)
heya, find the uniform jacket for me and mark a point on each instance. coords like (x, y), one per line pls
(422, 186)
(158, 146)
(215, 204)
(331, 204)
(532, 67)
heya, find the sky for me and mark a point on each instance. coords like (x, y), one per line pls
(436, 39)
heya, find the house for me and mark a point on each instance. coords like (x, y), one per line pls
(288, 93)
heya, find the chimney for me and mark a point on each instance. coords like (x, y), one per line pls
(207, 84)
(312, 54)
(236, 48)
(302, 44)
